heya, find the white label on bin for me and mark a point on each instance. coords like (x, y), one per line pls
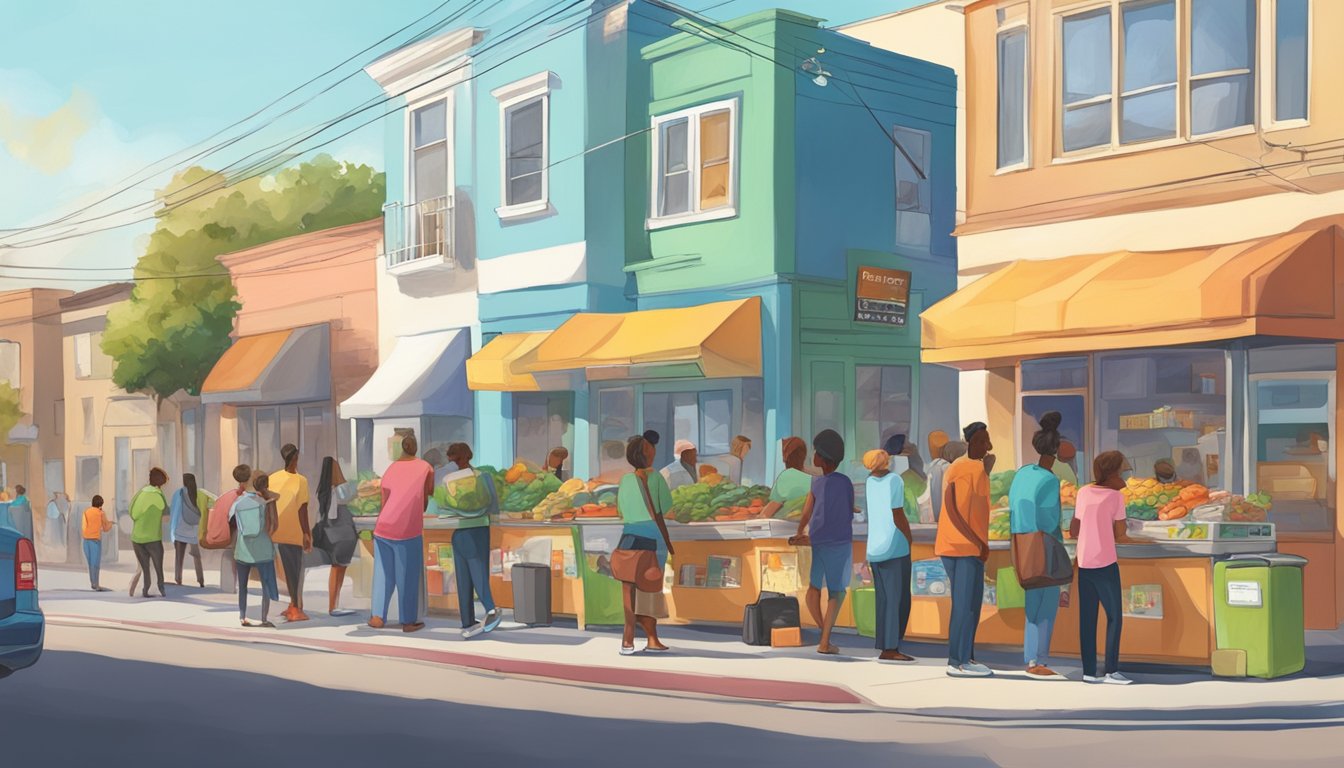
(1244, 593)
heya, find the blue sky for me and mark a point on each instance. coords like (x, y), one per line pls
(92, 91)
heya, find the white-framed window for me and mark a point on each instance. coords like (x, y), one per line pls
(1290, 43)
(429, 177)
(695, 165)
(1222, 65)
(1012, 97)
(90, 362)
(1086, 82)
(914, 190)
(524, 145)
(1148, 76)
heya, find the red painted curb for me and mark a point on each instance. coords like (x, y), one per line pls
(682, 682)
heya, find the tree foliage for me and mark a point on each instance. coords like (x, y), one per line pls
(11, 410)
(170, 332)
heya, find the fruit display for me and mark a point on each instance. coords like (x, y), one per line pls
(720, 500)
(1186, 501)
(369, 496)
(999, 484)
(1223, 506)
(791, 509)
(1000, 527)
(1068, 494)
(572, 500)
(1145, 497)
(525, 486)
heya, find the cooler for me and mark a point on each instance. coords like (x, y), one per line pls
(531, 593)
(1258, 615)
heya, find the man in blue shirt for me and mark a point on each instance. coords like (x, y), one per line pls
(828, 519)
(1033, 500)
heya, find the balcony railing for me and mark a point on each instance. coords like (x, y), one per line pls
(419, 234)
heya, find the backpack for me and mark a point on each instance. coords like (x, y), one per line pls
(251, 521)
(216, 530)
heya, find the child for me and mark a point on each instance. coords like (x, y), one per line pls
(828, 526)
(95, 525)
(257, 519)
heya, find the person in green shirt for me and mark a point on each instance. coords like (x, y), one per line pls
(793, 483)
(471, 551)
(147, 511)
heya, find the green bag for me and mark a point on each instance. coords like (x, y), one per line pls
(1008, 590)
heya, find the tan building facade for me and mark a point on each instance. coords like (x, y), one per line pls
(31, 455)
(1153, 234)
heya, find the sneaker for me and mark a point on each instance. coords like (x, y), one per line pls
(628, 650)
(967, 670)
(473, 630)
(1092, 679)
(1115, 678)
(492, 620)
(339, 612)
(979, 669)
(1042, 672)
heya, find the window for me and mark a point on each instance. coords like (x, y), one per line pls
(10, 369)
(695, 159)
(913, 188)
(1013, 97)
(1087, 97)
(86, 411)
(1222, 65)
(884, 398)
(524, 116)
(429, 180)
(90, 362)
(88, 478)
(616, 423)
(1291, 46)
(542, 422)
(716, 422)
(1148, 71)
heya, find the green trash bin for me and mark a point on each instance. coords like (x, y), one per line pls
(865, 611)
(1258, 611)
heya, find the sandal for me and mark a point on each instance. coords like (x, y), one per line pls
(828, 650)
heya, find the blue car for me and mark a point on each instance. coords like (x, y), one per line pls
(21, 622)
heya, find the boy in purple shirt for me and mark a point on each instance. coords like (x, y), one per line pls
(828, 519)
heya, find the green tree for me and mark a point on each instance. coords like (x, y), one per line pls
(176, 324)
(10, 410)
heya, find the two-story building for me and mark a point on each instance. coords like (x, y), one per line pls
(1152, 247)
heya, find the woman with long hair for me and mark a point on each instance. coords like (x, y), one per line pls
(334, 535)
(642, 498)
(184, 528)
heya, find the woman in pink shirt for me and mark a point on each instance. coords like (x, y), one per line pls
(1098, 520)
(398, 538)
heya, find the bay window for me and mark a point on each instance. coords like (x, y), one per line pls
(694, 164)
(1222, 65)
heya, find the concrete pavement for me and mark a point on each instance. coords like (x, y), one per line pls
(714, 662)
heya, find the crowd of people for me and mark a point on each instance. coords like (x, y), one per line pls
(265, 518)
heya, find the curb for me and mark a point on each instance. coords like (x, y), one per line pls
(773, 691)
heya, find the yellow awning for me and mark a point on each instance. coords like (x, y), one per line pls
(719, 340)
(289, 366)
(1285, 285)
(492, 369)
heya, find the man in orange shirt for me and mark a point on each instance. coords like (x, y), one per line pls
(95, 525)
(295, 535)
(963, 544)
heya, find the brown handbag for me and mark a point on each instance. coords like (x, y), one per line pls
(1040, 560)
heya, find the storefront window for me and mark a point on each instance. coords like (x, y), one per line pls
(1168, 405)
(1292, 405)
(542, 422)
(828, 397)
(884, 401)
(442, 431)
(716, 421)
(616, 423)
(1057, 384)
(1054, 374)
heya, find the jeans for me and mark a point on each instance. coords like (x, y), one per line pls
(269, 589)
(471, 561)
(891, 578)
(180, 548)
(93, 554)
(1042, 606)
(398, 565)
(967, 575)
(147, 554)
(1099, 587)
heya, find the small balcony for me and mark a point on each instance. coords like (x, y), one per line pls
(418, 236)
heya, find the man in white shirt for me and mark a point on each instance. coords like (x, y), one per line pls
(682, 471)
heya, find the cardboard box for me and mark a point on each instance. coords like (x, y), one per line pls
(786, 637)
(1137, 421)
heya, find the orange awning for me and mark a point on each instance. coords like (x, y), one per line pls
(1287, 285)
(287, 366)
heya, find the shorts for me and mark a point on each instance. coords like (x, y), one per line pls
(832, 565)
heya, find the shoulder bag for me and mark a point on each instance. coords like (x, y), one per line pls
(1041, 560)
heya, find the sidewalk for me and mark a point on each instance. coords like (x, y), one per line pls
(714, 662)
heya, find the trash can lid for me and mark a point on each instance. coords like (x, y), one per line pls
(531, 565)
(1271, 559)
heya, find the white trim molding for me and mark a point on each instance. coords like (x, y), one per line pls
(560, 265)
(510, 97)
(425, 63)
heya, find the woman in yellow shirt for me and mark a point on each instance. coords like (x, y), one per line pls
(95, 525)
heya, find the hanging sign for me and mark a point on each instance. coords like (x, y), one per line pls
(882, 296)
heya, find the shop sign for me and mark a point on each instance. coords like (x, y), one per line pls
(882, 296)
(1244, 593)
